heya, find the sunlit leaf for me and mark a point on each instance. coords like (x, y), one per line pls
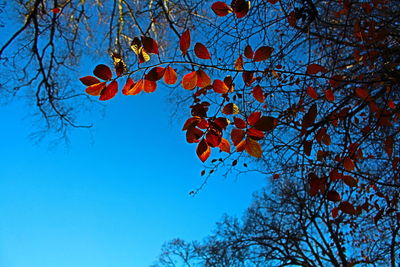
(150, 45)
(110, 91)
(255, 134)
(155, 74)
(239, 63)
(136, 88)
(239, 123)
(203, 79)
(119, 64)
(189, 81)
(220, 87)
(221, 9)
(262, 53)
(143, 56)
(253, 148)
(103, 72)
(149, 86)
(253, 118)
(184, 42)
(201, 51)
(96, 89)
(213, 138)
(203, 150)
(89, 80)
(258, 94)
(225, 145)
(170, 76)
(230, 109)
(128, 85)
(136, 44)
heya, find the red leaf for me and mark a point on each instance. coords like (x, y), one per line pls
(203, 79)
(240, 8)
(253, 148)
(203, 150)
(170, 76)
(56, 10)
(201, 51)
(155, 74)
(221, 9)
(307, 147)
(258, 94)
(239, 63)
(119, 64)
(95, 89)
(149, 86)
(335, 212)
(312, 93)
(266, 123)
(103, 72)
(263, 53)
(333, 196)
(350, 180)
(248, 52)
(248, 77)
(292, 19)
(220, 87)
(237, 136)
(255, 134)
(213, 138)
(136, 88)
(273, 1)
(128, 85)
(184, 42)
(309, 117)
(253, 118)
(191, 122)
(346, 207)
(150, 45)
(225, 145)
(329, 95)
(189, 81)
(193, 135)
(89, 80)
(315, 68)
(348, 164)
(362, 93)
(239, 123)
(230, 109)
(110, 91)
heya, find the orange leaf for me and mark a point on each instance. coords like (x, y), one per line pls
(95, 89)
(312, 93)
(191, 122)
(248, 52)
(203, 150)
(128, 85)
(315, 68)
(110, 91)
(333, 196)
(253, 148)
(220, 87)
(170, 76)
(89, 80)
(237, 136)
(255, 134)
(136, 88)
(262, 53)
(150, 45)
(230, 109)
(239, 63)
(348, 164)
(203, 79)
(103, 72)
(155, 74)
(201, 51)
(221, 9)
(225, 145)
(258, 94)
(253, 118)
(189, 81)
(329, 95)
(149, 86)
(184, 42)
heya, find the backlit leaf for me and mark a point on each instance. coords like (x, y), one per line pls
(253, 118)
(150, 45)
(189, 81)
(230, 109)
(56, 10)
(225, 145)
(220, 87)
(203, 79)
(191, 122)
(103, 72)
(239, 123)
(201, 51)
(155, 74)
(329, 95)
(203, 150)
(240, 8)
(237, 136)
(221, 9)
(253, 148)
(248, 77)
(170, 76)
(110, 91)
(346, 207)
(362, 93)
(309, 117)
(128, 85)
(258, 94)
(348, 164)
(262, 53)
(149, 86)
(89, 80)
(184, 42)
(239, 63)
(255, 134)
(143, 56)
(135, 45)
(136, 88)
(119, 64)
(350, 180)
(96, 89)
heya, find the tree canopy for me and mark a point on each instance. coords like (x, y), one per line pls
(309, 89)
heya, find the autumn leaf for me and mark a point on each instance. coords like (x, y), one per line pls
(103, 72)
(239, 63)
(189, 81)
(143, 56)
(253, 118)
(128, 85)
(149, 86)
(184, 42)
(56, 10)
(237, 136)
(96, 89)
(307, 147)
(201, 51)
(362, 93)
(309, 117)
(203, 79)
(253, 148)
(155, 74)
(136, 88)
(255, 134)
(239, 123)
(312, 93)
(347, 207)
(225, 145)
(265, 123)
(350, 180)
(220, 87)
(348, 164)
(221, 9)
(89, 80)
(333, 196)
(150, 45)
(248, 52)
(248, 77)
(329, 95)
(170, 76)
(110, 91)
(240, 8)
(262, 53)
(315, 68)
(203, 150)
(258, 94)
(213, 138)
(230, 109)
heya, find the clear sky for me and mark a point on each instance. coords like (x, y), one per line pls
(113, 196)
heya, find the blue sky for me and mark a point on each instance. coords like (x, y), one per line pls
(114, 195)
